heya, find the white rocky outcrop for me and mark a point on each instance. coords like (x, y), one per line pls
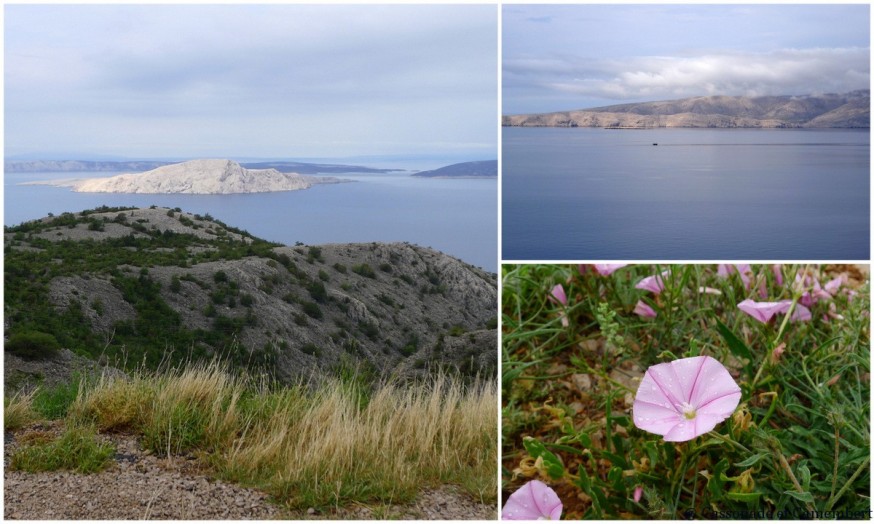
(200, 177)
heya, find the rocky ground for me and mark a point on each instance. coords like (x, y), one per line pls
(142, 486)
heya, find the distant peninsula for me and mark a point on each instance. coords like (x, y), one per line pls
(477, 169)
(849, 110)
(197, 177)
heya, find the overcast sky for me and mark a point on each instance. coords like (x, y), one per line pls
(240, 81)
(563, 57)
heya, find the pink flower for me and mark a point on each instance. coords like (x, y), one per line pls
(559, 295)
(654, 283)
(533, 501)
(833, 285)
(746, 274)
(683, 399)
(607, 269)
(638, 491)
(644, 310)
(765, 311)
(778, 273)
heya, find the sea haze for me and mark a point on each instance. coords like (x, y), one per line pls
(458, 217)
(588, 193)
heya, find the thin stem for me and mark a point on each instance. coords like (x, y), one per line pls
(792, 477)
(837, 497)
(835, 473)
(728, 440)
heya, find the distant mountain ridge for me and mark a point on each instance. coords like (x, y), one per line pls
(475, 169)
(60, 166)
(849, 110)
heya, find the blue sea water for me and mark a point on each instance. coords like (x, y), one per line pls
(458, 217)
(700, 194)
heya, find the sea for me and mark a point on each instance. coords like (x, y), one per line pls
(685, 194)
(455, 216)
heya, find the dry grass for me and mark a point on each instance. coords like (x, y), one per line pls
(18, 411)
(319, 447)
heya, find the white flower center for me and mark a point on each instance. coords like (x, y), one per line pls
(688, 410)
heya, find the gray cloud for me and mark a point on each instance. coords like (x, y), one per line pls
(341, 79)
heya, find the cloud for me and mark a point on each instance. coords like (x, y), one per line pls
(780, 72)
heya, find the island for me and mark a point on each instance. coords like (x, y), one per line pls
(849, 110)
(197, 177)
(476, 169)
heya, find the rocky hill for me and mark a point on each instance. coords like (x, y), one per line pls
(476, 169)
(814, 111)
(199, 177)
(152, 286)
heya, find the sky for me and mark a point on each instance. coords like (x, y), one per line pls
(246, 81)
(565, 57)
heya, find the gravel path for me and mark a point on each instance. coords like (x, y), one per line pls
(140, 486)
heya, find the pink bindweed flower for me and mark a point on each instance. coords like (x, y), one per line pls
(765, 311)
(638, 491)
(779, 350)
(654, 283)
(683, 399)
(831, 287)
(608, 269)
(558, 295)
(643, 309)
(746, 274)
(533, 501)
(778, 274)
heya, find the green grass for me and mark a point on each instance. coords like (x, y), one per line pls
(77, 449)
(53, 402)
(799, 441)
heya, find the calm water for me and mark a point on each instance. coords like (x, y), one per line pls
(700, 194)
(458, 217)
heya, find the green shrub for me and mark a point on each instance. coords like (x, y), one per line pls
(32, 344)
(364, 270)
(312, 310)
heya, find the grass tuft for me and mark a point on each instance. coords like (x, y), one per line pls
(77, 449)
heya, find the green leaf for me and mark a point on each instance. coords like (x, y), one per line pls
(752, 460)
(803, 497)
(585, 482)
(744, 497)
(551, 463)
(805, 476)
(735, 344)
(616, 460)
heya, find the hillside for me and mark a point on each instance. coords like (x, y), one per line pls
(813, 111)
(152, 285)
(197, 177)
(477, 169)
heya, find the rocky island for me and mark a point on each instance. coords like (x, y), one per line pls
(198, 177)
(849, 110)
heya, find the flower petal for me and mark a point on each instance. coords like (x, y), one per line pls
(558, 294)
(714, 389)
(643, 309)
(762, 311)
(533, 501)
(654, 283)
(607, 269)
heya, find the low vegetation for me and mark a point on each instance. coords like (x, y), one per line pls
(795, 339)
(332, 444)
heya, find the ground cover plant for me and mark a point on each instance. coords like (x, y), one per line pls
(685, 391)
(323, 446)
